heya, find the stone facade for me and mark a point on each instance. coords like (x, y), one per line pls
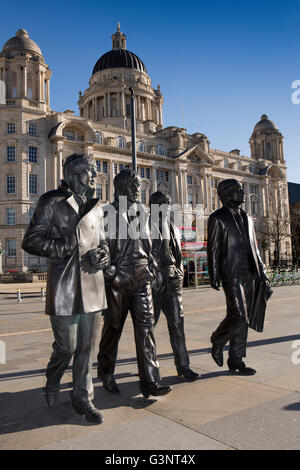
(34, 141)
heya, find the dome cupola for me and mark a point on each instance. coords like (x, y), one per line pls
(119, 56)
(266, 141)
(20, 44)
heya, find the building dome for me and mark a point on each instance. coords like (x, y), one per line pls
(265, 123)
(119, 57)
(20, 43)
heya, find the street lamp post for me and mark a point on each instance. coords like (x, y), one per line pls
(133, 130)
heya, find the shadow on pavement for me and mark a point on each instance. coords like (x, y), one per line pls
(293, 407)
(27, 410)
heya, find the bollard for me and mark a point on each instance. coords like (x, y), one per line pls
(43, 296)
(19, 298)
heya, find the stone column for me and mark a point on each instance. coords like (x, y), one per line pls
(138, 107)
(111, 179)
(43, 86)
(160, 114)
(59, 164)
(184, 185)
(122, 105)
(205, 191)
(267, 209)
(108, 105)
(105, 105)
(25, 81)
(94, 110)
(118, 103)
(38, 85)
(19, 79)
(48, 92)
(153, 180)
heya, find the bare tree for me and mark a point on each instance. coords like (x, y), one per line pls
(275, 228)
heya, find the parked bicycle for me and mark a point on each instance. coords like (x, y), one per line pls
(284, 278)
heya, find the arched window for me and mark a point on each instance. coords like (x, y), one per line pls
(160, 150)
(99, 138)
(120, 142)
(12, 85)
(141, 146)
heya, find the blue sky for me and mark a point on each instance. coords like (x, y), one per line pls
(228, 62)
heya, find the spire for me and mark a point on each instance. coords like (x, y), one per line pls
(118, 39)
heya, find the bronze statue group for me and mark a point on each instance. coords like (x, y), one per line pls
(94, 270)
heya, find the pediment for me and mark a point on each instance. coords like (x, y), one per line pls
(111, 83)
(196, 154)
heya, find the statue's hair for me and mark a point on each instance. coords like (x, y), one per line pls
(226, 188)
(159, 198)
(123, 179)
(73, 164)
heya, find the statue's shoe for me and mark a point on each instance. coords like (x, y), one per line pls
(217, 354)
(89, 411)
(187, 373)
(240, 368)
(154, 389)
(51, 397)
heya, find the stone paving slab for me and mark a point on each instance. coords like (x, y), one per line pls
(268, 426)
(150, 432)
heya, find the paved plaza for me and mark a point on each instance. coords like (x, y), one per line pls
(220, 411)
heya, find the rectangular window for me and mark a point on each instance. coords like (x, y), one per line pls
(32, 129)
(98, 165)
(161, 175)
(70, 135)
(128, 108)
(106, 192)
(32, 154)
(142, 172)
(121, 166)
(166, 176)
(148, 174)
(10, 153)
(189, 179)
(116, 168)
(143, 196)
(104, 167)
(11, 128)
(32, 184)
(11, 247)
(10, 184)
(99, 192)
(10, 216)
(157, 174)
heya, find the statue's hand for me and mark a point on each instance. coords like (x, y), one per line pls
(216, 284)
(98, 258)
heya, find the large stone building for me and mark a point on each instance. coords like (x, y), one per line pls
(34, 141)
(294, 199)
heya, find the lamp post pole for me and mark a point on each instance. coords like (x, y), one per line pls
(133, 130)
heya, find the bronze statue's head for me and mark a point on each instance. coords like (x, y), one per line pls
(127, 184)
(231, 193)
(79, 172)
(159, 198)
